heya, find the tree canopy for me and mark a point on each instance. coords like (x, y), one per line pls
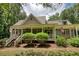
(10, 13)
(71, 14)
(54, 17)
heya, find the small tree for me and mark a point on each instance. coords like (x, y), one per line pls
(42, 36)
(29, 36)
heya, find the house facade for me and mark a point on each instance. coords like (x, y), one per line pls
(35, 24)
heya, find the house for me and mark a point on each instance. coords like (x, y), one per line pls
(36, 24)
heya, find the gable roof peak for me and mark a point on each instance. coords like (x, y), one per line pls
(40, 19)
(31, 14)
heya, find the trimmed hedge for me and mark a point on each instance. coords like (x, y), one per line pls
(74, 42)
(41, 36)
(38, 36)
(61, 41)
(28, 36)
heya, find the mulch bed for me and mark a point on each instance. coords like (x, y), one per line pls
(48, 45)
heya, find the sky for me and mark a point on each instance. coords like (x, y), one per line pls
(39, 10)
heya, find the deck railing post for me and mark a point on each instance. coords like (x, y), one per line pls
(15, 31)
(21, 31)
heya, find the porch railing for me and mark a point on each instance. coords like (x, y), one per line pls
(10, 39)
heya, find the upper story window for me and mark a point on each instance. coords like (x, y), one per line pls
(31, 18)
(64, 22)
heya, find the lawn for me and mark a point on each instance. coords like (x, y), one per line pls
(39, 51)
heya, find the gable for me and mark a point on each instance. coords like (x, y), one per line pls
(32, 20)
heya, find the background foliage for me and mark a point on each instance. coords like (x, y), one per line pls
(9, 14)
(71, 14)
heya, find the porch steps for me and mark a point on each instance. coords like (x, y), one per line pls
(11, 40)
(17, 40)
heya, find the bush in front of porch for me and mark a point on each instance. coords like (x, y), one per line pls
(61, 41)
(42, 36)
(29, 36)
(39, 36)
(74, 41)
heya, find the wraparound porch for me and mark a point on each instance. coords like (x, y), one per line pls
(67, 31)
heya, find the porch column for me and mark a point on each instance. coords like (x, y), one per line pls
(15, 31)
(31, 30)
(54, 34)
(11, 32)
(76, 32)
(70, 33)
(73, 33)
(64, 32)
(21, 31)
(42, 29)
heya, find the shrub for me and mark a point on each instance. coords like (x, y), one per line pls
(42, 36)
(2, 43)
(61, 41)
(74, 42)
(28, 36)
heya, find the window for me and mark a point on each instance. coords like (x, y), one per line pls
(64, 22)
(31, 18)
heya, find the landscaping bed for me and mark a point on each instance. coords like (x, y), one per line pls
(38, 45)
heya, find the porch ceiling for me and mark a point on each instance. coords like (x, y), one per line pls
(33, 26)
(72, 26)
